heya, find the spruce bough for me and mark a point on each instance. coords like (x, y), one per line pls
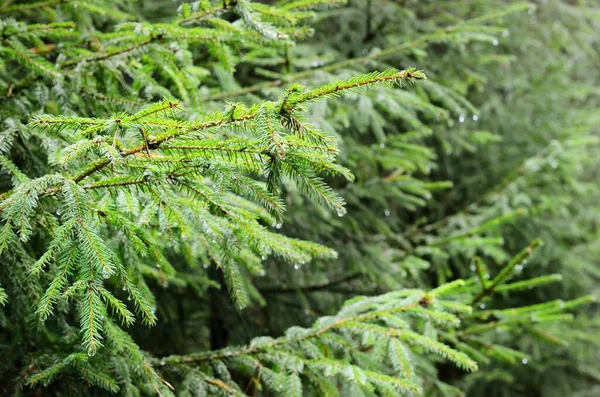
(134, 195)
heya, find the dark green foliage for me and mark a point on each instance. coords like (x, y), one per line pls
(238, 198)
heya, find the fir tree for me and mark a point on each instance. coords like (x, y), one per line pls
(377, 198)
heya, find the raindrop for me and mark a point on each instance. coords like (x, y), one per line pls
(519, 268)
(296, 266)
(482, 306)
(486, 276)
(340, 213)
(472, 267)
(382, 145)
(524, 361)
(205, 266)
(475, 117)
(278, 225)
(90, 353)
(461, 119)
(306, 311)
(263, 257)
(58, 212)
(495, 42)
(387, 212)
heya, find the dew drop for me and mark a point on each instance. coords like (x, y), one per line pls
(382, 145)
(296, 266)
(524, 361)
(506, 33)
(495, 42)
(482, 306)
(553, 164)
(278, 225)
(461, 119)
(306, 311)
(340, 213)
(387, 212)
(472, 267)
(91, 353)
(475, 117)
(519, 268)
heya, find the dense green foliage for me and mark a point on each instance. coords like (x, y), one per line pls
(306, 197)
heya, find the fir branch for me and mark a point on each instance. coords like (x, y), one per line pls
(29, 6)
(506, 271)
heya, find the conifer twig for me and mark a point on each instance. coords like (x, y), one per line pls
(506, 270)
(251, 349)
